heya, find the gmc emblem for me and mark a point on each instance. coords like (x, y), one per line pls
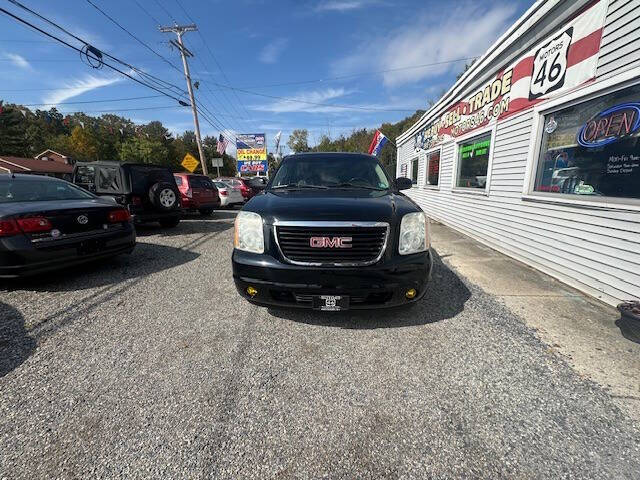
(330, 242)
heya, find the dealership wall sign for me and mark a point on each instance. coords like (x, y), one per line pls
(610, 126)
(566, 60)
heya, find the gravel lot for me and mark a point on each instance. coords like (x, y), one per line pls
(152, 367)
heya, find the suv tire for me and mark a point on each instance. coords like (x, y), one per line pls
(164, 196)
(170, 222)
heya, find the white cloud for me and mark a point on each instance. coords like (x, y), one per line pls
(78, 87)
(343, 5)
(272, 51)
(19, 61)
(453, 34)
(318, 96)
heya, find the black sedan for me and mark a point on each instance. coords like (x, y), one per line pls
(47, 223)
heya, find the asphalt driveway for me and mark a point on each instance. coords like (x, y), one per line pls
(152, 367)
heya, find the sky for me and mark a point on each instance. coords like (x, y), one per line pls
(262, 66)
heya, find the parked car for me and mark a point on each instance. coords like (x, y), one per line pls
(229, 195)
(197, 193)
(332, 232)
(239, 183)
(255, 184)
(47, 223)
(148, 191)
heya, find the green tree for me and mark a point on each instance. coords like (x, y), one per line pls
(144, 150)
(12, 136)
(299, 141)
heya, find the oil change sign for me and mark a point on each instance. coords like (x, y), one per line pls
(251, 152)
(565, 60)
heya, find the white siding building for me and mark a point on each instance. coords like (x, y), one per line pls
(535, 151)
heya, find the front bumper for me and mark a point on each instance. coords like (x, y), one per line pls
(377, 286)
(20, 257)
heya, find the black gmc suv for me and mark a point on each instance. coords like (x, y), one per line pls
(332, 232)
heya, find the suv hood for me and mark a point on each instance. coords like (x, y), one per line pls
(333, 205)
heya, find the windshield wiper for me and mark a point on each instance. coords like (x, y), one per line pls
(293, 186)
(353, 185)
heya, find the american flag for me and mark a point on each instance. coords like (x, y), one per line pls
(222, 144)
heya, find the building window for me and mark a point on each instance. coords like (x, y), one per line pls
(592, 149)
(473, 162)
(414, 171)
(433, 168)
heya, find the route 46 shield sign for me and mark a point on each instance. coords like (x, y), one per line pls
(550, 66)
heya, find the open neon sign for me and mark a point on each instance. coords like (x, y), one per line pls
(610, 126)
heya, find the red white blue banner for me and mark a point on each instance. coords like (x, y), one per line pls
(563, 61)
(379, 141)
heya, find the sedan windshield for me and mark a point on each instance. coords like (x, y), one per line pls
(331, 172)
(33, 190)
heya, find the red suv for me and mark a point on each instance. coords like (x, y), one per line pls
(197, 192)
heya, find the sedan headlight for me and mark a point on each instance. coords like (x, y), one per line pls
(414, 233)
(249, 235)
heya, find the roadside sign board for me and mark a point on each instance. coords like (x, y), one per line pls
(251, 152)
(217, 162)
(189, 162)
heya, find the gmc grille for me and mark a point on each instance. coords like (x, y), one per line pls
(365, 244)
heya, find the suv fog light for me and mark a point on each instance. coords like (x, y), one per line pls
(252, 292)
(411, 293)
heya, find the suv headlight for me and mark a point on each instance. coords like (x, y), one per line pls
(414, 233)
(249, 235)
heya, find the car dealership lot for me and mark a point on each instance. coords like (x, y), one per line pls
(152, 366)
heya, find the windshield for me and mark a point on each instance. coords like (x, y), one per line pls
(17, 190)
(328, 172)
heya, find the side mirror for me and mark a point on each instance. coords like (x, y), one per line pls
(403, 183)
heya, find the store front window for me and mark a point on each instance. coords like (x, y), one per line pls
(592, 148)
(433, 168)
(473, 162)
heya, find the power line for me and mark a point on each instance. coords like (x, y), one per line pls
(224, 75)
(91, 101)
(133, 36)
(167, 12)
(88, 54)
(334, 105)
(147, 12)
(353, 75)
(127, 109)
(200, 106)
(95, 54)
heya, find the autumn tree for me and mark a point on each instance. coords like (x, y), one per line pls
(299, 141)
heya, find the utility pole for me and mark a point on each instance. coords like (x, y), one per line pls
(180, 30)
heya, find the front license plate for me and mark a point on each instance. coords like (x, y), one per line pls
(330, 303)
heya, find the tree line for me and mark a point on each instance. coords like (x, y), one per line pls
(358, 141)
(26, 133)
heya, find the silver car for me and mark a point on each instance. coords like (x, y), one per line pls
(229, 195)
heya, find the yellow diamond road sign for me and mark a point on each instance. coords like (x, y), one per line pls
(189, 162)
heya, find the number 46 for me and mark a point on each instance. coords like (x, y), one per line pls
(554, 72)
